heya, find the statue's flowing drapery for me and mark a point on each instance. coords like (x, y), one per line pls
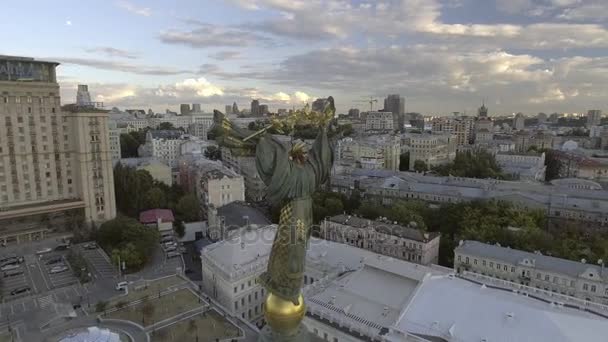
(291, 185)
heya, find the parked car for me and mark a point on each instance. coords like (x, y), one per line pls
(14, 260)
(58, 269)
(122, 285)
(173, 254)
(44, 251)
(55, 260)
(62, 247)
(10, 257)
(170, 243)
(170, 249)
(90, 245)
(12, 273)
(9, 267)
(20, 290)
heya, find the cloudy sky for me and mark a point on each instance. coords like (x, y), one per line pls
(442, 55)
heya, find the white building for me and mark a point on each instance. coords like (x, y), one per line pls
(558, 202)
(255, 188)
(163, 145)
(379, 121)
(587, 281)
(406, 243)
(231, 268)
(394, 301)
(218, 185)
(523, 166)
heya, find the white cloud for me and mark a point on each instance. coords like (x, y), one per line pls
(68, 23)
(200, 86)
(120, 66)
(126, 5)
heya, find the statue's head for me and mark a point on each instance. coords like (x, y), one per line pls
(298, 153)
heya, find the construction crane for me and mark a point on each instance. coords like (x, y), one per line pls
(370, 101)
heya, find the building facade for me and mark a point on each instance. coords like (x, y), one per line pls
(558, 202)
(433, 149)
(370, 152)
(460, 126)
(582, 280)
(163, 145)
(50, 161)
(386, 238)
(594, 117)
(379, 121)
(519, 122)
(218, 185)
(231, 268)
(255, 188)
(523, 166)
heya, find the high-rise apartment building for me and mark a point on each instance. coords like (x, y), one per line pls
(461, 126)
(264, 109)
(228, 110)
(255, 108)
(519, 122)
(52, 164)
(184, 109)
(394, 104)
(235, 108)
(594, 117)
(83, 98)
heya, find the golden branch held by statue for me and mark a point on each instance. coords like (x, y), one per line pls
(304, 116)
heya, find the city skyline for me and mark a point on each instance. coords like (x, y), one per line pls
(442, 56)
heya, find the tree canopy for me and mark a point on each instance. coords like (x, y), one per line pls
(129, 240)
(478, 164)
(213, 153)
(137, 191)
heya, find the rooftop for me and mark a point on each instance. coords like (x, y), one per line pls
(409, 299)
(540, 261)
(248, 252)
(383, 227)
(458, 310)
(239, 214)
(171, 134)
(153, 215)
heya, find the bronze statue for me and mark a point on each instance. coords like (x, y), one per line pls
(292, 175)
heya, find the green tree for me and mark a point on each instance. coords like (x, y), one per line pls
(127, 239)
(420, 166)
(166, 126)
(404, 161)
(147, 311)
(553, 164)
(101, 306)
(213, 153)
(128, 146)
(155, 198)
(478, 164)
(188, 208)
(121, 304)
(180, 228)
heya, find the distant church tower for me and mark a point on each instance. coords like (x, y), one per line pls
(483, 110)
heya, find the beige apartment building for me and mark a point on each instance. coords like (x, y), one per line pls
(386, 238)
(432, 149)
(585, 280)
(370, 152)
(54, 165)
(379, 121)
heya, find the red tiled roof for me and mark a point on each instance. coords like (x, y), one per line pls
(152, 216)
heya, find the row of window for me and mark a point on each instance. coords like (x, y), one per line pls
(249, 299)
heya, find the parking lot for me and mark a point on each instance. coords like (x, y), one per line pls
(99, 261)
(56, 270)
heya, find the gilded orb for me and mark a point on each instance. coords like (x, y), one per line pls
(282, 315)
